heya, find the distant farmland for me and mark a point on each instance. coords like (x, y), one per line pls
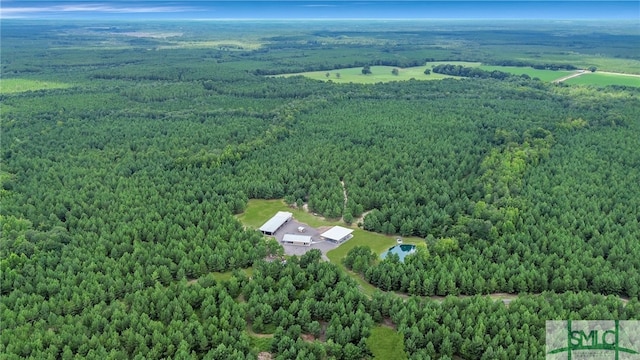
(378, 74)
(384, 73)
(604, 79)
(9, 86)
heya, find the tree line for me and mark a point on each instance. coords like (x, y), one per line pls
(465, 71)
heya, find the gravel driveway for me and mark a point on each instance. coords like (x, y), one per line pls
(316, 240)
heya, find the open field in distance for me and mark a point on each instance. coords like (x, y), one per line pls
(604, 79)
(10, 86)
(384, 74)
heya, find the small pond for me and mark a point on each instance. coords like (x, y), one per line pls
(401, 250)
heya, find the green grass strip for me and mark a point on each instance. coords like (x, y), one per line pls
(10, 86)
(603, 79)
(386, 343)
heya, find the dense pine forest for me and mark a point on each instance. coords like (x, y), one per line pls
(127, 150)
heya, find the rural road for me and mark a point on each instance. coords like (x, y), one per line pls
(576, 74)
(615, 73)
(582, 72)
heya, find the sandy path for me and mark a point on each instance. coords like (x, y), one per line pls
(344, 192)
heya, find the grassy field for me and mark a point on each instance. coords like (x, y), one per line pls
(379, 243)
(379, 74)
(601, 79)
(223, 276)
(386, 343)
(227, 275)
(258, 211)
(383, 74)
(260, 344)
(544, 75)
(9, 86)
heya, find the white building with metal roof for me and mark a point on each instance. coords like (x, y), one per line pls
(337, 234)
(293, 239)
(272, 225)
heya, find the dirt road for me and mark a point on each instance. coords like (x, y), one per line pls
(582, 72)
(576, 74)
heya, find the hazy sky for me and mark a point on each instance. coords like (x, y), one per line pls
(337, 9)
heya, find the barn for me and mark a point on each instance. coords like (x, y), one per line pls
(337, 234)
(272, 225)
(293, 239)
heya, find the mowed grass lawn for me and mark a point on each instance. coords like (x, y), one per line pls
(379, 243)
(386, 343)
(603, 79)
(10, 86)
(258, 211)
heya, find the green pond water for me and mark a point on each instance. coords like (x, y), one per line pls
(401, 250)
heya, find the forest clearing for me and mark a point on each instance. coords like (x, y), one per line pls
(386, 74)
(10, 86)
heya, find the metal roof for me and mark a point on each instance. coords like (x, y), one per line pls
(276, 221)
(296, 238)
(336, 233)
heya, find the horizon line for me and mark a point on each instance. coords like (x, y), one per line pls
(27, 18)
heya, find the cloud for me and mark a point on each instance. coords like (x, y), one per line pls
(7, 12)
